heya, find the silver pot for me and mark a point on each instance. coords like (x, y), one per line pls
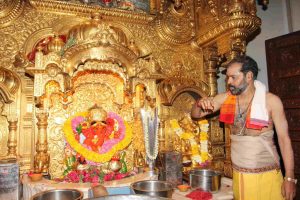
(59, 194)
(153, 188)
(128, 197)
(206, 179)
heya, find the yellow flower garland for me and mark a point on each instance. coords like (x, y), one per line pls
(204, 140)
(196, 156)
(91, 155)
(186, 136)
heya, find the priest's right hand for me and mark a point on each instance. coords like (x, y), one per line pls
(206, 104)
(202, 107)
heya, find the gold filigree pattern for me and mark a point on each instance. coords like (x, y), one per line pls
(216, 30)
(89, 94)
(170, 88)
(8, 48)
(172, 62)
(110, 87)
(33, 27)
(176, 26)
(48, 5)
(101, 67)
(218, 165)
(56, 143)
(10, 11)
(114, 53)
(218, 151)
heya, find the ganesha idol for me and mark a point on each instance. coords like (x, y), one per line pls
(100, 128)
(97, 137)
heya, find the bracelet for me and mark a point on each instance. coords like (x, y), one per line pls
(291, 179)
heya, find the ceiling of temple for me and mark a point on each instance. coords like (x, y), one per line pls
(132, 5)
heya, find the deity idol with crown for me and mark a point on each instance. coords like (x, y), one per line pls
(97, 129)
(97, 135)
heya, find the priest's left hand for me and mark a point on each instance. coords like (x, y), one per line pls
(288, 190)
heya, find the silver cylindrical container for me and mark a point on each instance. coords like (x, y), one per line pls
(206, 179)
(153, 188)
(59, 194)
(10, 187)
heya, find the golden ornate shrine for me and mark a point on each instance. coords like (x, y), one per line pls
(60, 57)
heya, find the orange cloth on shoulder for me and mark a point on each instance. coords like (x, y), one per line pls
(227, 113)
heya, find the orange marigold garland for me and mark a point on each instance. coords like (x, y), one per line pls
(96, 142)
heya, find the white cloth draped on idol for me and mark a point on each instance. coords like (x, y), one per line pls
(150, 122)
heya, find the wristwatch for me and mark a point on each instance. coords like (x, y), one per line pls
(291, 179)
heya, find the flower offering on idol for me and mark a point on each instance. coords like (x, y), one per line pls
(205, 156)
(94, 139)
(184, 129)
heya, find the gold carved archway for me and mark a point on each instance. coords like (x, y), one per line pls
(173, 50)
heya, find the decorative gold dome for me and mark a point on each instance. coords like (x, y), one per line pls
(55, 45)
(97, 30)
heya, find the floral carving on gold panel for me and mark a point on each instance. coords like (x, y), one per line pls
(56, 142)
(87, 95)
(217, 135)
(149, 41)
(8, 49)
(218, 151)
(181, 64)
(175, 25)
(84, 10)
(9, 11)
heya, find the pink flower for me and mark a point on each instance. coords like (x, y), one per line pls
(109, 144)
(73, 177)
(75, 122)
(119, 176)
(95, 179)
(86, 177)
(108, 177)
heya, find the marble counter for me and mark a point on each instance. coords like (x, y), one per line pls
(225, 192)
(31, 188)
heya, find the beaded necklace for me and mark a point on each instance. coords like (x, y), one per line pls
(240, 117)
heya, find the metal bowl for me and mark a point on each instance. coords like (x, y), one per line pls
(59, 194)
(153, 188)
(128, 197)
(206, 179)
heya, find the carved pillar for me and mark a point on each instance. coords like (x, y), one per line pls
(41, 159)
(12, 118)
(12, 139)
(238, 37)
(238, 44)
(161, 136)
(216, 136)
(211, 60)
(227, 162)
